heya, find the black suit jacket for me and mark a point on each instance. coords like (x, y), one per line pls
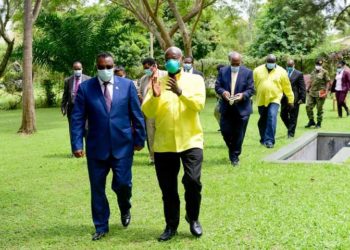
(68, 95)
(298, 86)
(244, 84)
(196, 72)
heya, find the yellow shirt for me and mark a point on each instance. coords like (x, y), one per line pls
(271, 86)
(178, 127)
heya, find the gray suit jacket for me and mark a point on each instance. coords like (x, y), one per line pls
(144, 81)
(68, 95)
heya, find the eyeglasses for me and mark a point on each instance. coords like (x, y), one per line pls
(104, 67)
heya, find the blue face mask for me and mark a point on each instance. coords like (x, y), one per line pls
(234, 69)
(148, 72)
(339, 70)
(172, 66)
(187, 66)
(105, 74)
(290, 69)
(270, 65)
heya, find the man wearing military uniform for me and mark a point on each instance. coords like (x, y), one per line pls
(317, 93)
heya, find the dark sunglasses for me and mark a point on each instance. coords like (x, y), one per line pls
(104, 67)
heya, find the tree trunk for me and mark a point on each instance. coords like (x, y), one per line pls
(151, 43)
(28, 107)
(6, 57)
(188, 47)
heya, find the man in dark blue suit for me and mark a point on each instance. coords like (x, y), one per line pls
(115, 129)
(236, 86)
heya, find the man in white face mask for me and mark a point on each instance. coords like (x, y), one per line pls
(71, 85)
(116, 128)
(317, 93)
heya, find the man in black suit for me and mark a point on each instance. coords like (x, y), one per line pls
(188, 66)
(236, 86)
(290, 115)
(71, 85)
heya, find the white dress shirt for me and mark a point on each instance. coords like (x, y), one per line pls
(338, 78)
(109, 87)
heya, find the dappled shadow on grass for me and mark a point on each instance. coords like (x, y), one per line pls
(59, 156)
(69, 233)
(214, 162)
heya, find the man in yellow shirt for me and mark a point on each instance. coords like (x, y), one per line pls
(271, 81)
(174, 101)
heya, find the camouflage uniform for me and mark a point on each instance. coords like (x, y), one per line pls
(319, 82)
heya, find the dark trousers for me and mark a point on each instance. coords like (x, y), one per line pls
(167, 168)
(233, 128)
(341, 97)
(268, 122)
(70, 129)
(289, 117)
(121, 185)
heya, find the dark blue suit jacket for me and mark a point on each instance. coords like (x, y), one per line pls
(109, 133)
(244, 84)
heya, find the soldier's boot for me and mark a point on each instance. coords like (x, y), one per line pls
(310, 124)
(318, 125)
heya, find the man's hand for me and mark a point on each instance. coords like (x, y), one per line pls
(172, 84)
(226, 95)
(137, 148)
(63, 110)
(238, 97)
(290, 106)
(79, 153)
(155, 87)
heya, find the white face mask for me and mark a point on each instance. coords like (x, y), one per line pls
(318, 67)
(105, 74)
(77, 73)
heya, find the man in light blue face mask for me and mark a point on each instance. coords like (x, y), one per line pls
(71, 86)
(271, 82)
(111, 107)
(235, 85)
(152, 73)
(188, 66)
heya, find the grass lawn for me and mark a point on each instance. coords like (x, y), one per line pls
(45, 196)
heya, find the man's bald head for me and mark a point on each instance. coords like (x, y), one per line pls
(235, 58)
(290, 63)
(271, 58)
(173, 53)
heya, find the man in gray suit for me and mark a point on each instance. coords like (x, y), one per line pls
(152, 73)
(71, 85)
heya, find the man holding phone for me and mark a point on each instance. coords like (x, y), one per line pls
(236, 86)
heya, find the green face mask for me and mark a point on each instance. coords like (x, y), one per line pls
(172, 66)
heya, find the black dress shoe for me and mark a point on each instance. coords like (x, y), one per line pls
(195, 227)
(269, 145)
(235, 162)
(310, 124)
(98, 235)
(125, 218)
(167, 234)
(318, 125)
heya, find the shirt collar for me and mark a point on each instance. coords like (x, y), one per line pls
(102, 83)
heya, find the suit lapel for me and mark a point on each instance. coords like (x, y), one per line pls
(116, 90)
(98, 91)
(228, 77)
(239, 76)
(292, 77)
(71, 84)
